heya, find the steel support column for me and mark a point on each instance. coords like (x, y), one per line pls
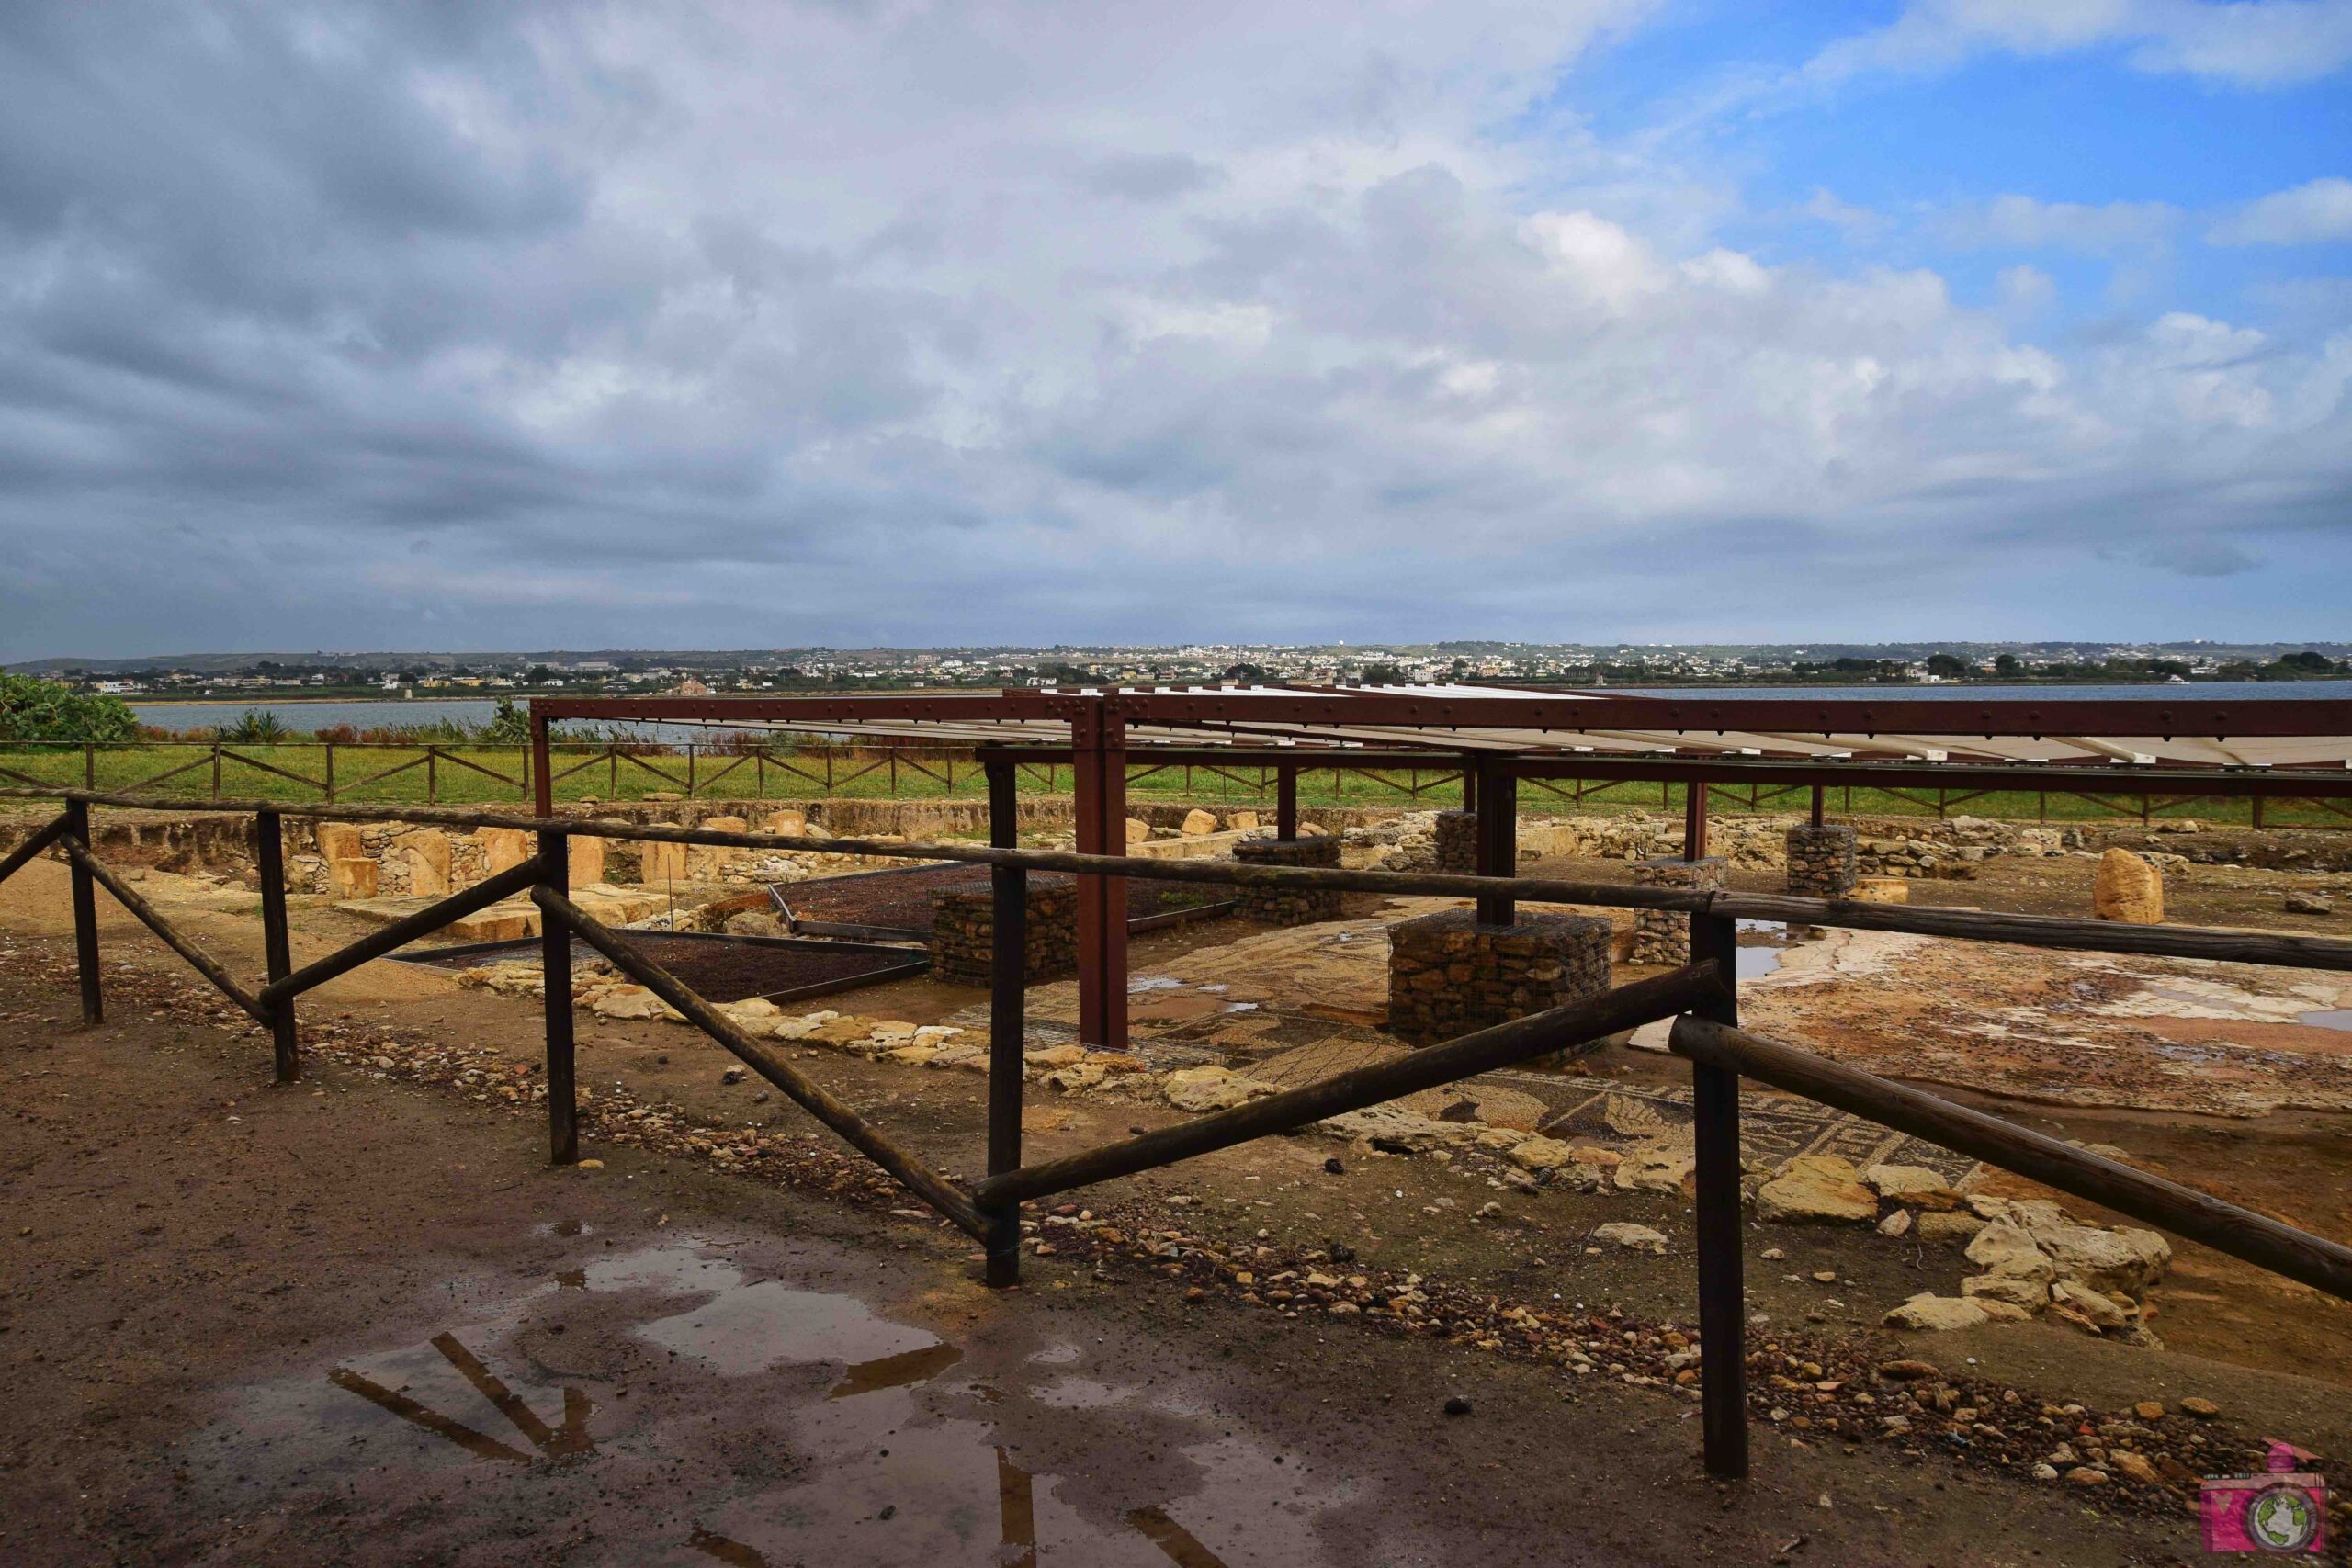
(1694, 819)
(1820, 803)
(1723, 1289)
(1498, 837)
(1285, 802)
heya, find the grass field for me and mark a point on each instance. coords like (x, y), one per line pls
(472, 775)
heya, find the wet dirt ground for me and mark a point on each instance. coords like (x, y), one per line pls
(179, 1361)
(354, 1322)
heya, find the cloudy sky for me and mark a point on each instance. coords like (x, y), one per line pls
(471, 325)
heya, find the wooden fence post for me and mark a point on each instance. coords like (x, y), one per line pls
(432, 776)
(330, 771)
(85, 918)
(555, 967)
(1723, 1296)
(269, 854)
(1007, 1020)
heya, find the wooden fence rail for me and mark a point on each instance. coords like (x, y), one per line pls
(1702, 997)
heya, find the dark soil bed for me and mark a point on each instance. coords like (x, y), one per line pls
(900, 901)
(723, 969)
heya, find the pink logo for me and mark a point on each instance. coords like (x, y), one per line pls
(2283, 1511)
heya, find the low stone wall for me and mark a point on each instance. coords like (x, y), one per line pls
(1448, 974)
(1663, 936)
(1821, 860)
(1288, 906)
(1457, 842)
(963, 934)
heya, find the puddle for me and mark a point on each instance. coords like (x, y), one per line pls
(909, 1451)
(2330, 1018)
(1758, 952)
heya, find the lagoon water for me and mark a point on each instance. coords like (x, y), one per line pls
(310, 716)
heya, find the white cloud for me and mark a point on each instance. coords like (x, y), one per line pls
(2309, 214)
(733, 313)
(2248, 44)
(2021, 222)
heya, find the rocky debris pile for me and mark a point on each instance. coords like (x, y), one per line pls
(2299, 901)
(2037, 1260)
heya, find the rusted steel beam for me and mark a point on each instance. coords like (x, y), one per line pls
(400, 933)
(201, 961)
(919, 1178)
(24, 853)
(2016, 777)
(1580, 1027)
(2313, 1261)
(2160, 717)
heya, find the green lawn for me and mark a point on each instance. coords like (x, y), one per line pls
(469, 775)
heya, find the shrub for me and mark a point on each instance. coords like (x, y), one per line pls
(255, 726)
(48, 710)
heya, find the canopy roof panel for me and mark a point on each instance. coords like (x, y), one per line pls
(2171, 727)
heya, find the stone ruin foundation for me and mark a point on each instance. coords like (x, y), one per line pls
(1663, 936)
(963, 934)
(1288, 906)
(1448, 974)
(1822, 861)
(1457, 842)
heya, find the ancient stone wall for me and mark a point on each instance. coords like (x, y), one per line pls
(1821, 860)
(963, 934)
(1288, 906)
(1448, 974)
(1457, 842)
(1663, 936)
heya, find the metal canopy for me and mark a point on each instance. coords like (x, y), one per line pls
(2173, 730)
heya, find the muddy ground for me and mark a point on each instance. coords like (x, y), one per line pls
(221, 1311)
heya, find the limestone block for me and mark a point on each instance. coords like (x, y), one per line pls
(1638, 1239)
(1243, 821)
(790, 823)
(662, 863)
(339, 840)
(1211, 1088)
(2129, 889)
(354, 876)
(584, 855)
(504, 849)
(1912, 1184)
(1880, 890)
(2027, 1293)
(1934, 1313)
(427, 851)
(1817, 1189)
(2004, 1248)
(1139, 832)
(1199, 824)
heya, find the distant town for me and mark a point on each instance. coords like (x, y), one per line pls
(347, 675)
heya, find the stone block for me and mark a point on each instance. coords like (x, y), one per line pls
(789, 824)
(425, 852)
(2129, 889)
(585, 859)
(662, 863)
(1880, 890)
(1198, 824)
(504, 849)
(1139, 832)
(354, 876)
(339, 840)
(963, 934)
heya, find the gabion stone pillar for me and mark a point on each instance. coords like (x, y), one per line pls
(1457, 842)
(962, 933)
(1821, 860)
(1288, 906)
(1663, 936)
(1448, 974)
